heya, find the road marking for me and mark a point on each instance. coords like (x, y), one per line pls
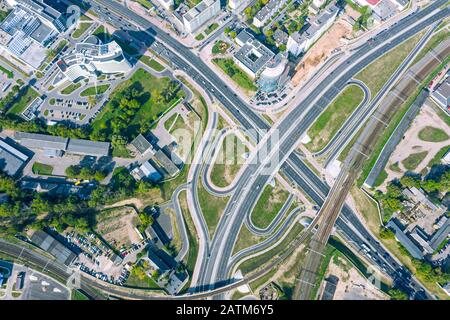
(435, 56)
(20, 254)
(376, 118)
(365, 155)
(396, 94)
(412, 76)
(309, 283)
(46, 265)
(309, 249)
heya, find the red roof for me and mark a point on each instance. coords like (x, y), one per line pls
(373, 2)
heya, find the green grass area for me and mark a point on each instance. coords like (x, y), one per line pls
(168, 123)
(269, 204)
(77, 295)
(191, 257)
(199, 37)
(81, 29)
(334, 116)
(145, 3)
(102, 34)
(380, 179)
(211, 28)
(229, 160)
(71, 88)
(328, 254)
(413, 160)
(212, 207)
(432, 134)
(147, 282)
(4, 14)
(8, 73)
(245, 239)
(432, 43)
(152, 63)
(220, 47)
(235, 73)
(376, 74)
(41, 168)
(177, 124)
(439, 155)
(395, 167)
(151, 103)
(23, 101)
(92, 91)
(443, 115)
(258, 261)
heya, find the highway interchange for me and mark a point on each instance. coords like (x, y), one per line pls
(260, 123)
(217, 254)
(294, 168)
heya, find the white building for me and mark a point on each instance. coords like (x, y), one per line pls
(237, 5)
(446, 158)
(266, 12)
(200, 14)
(253, 56)
(146, 170)
(301, 42)
(92, 58)
(441, 94)
(31, 28)
(316, 5)
(166, 4)
(275, 75)
(384, 10)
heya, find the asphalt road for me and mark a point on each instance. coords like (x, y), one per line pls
(357, 119)
(202, 74)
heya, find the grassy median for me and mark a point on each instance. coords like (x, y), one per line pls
(334, 116)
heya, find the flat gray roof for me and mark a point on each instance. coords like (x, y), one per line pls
(11, 159)
(316, 23)
(46, 242)
(265, 11)
(254, 55)
(41, 141)
(88, 147)
(141, 144)
(76, 146)
(165, 163)
(404, 240)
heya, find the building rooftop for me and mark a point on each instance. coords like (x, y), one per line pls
(254, 55)
(156, 259)
(266, 11)
(47, 243)
(243, 37)
(11, 159)
(412, 248)
(166, 163)
(316, 23)
(280, 36)
(141, 144)
(199, 8)
(88, 147)
(76, 146)
(41, 141)
(385, 9)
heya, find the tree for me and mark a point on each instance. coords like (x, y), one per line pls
(397, 294)
(72, 171)
(386, 233)
(410, 181)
